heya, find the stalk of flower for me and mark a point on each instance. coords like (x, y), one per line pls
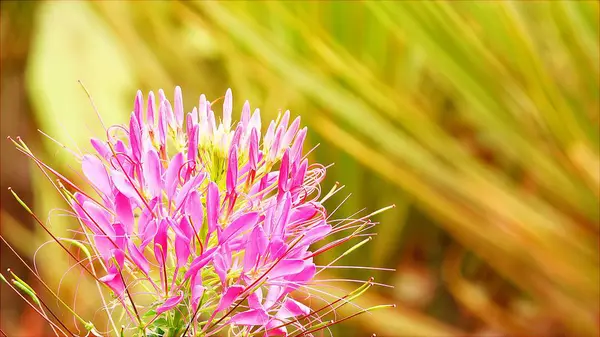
(214, 220)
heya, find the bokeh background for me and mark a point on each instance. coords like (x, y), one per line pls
(479, 120)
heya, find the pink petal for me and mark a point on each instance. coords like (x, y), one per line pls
(212, 206)
(138, 258)
(143, 221)
(255, 121)
(222, 263)
(185, 190)
(212, 127)
(298, 179)
(149, 233)
(161, 242)
(95, 172)
(104, 247)
(292, 308)
(238, 226)
(121, 162)
(161, 95)
(296, 150)
(230, 295)
(202, 108)
(283, 123)
(184, 229)
(124, 212)
(315, 234)
(253, 152)
(291, 132)
(193, 143)
(120, 147)
(178, 107)
(267, 180)
(273, 328)
(273, 295)
(255, 247)
(250, 317)
(124, 185)
(269, 135)
(255, 299)
(305, 275)
(137, 105)
(80, 199)
(162, 123)
(282, 215)
(274, 150)
(172, 174)
(182, 250)
(170, 116)
(120, 237)
(135, 137)
(101, 147)
(232, 170)
(283, 173)
(277, 247)
(150, 110)
(245, 114)
(119, 257)
(237, 136)
(286, 267)
(197, 291)
(152, 173)
(250, 256)
(194, 115)
(303, 213)
(170, 303)
(269, 223)
(189, 123)
(194, 209)
(227, 109)
(199, 262)
(113, 281)
(98, 219)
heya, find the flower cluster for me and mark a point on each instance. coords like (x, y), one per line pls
(207, 213)
(213, 219)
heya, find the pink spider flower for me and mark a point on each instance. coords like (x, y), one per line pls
(215, 219)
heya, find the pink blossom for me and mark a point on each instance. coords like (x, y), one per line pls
(212, 218)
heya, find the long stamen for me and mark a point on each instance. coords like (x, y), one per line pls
(358, 291)
(41, 281)
(345, 319)
(137, 314)
(260, 279)
(112, 149)
(44, 316)
(48, 231)
(193, 316)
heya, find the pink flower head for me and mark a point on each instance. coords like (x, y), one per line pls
(216, 219)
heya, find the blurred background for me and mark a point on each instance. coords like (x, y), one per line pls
(479, 120)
